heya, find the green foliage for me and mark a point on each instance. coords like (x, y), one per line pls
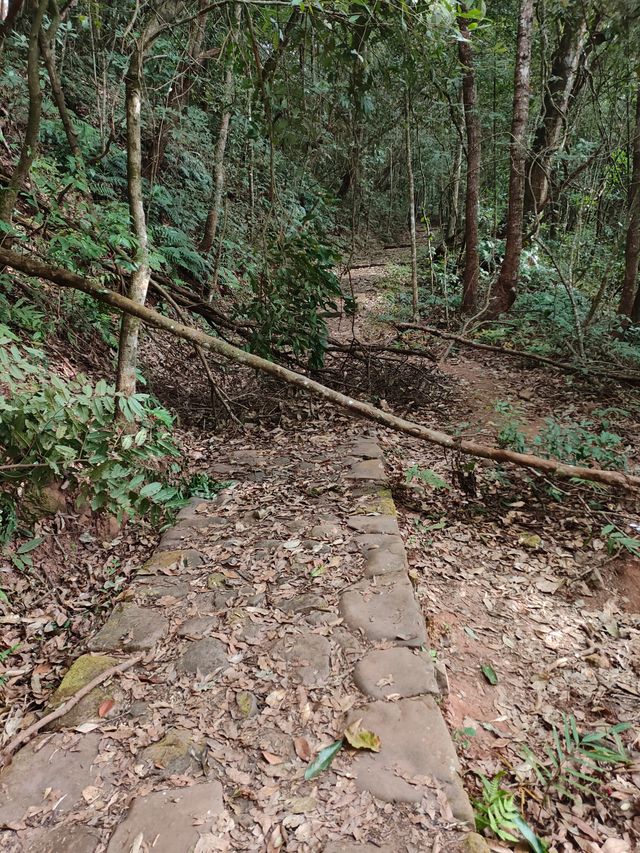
(579, 444)
(293, 289)
(574, 761)
(203, 486)
(511, 434)
(618, 541)
(52, 427)
(426, 476)
(498, 812)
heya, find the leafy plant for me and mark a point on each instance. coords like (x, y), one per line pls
(578, 443)
(577, 761)
(426, 476)
(64, 428)
(203, 486)
(498, 812)
(617, 540)
(511, 434)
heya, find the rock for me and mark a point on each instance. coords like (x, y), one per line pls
(374, 524)
(347, 641)
(367, 449)
(382, 561)
(65, 839)
(153, 587)
(474, 843)
(377, 500)
(305, 603)
(131, 628)
(415, 743)
(326, 530)
(187, 528)
(204, 656)
(216, 580)
(82, 671)
(384, 608)
(308, 655)
(380, 542)
(247, 703)
(525, 394)
(172, 561)
(63, 767)
(598, 661)
(197, 627)
(176, 752)
(38, 501)
(397, 671)
(367, 469)
(194, 508)
(171, 821)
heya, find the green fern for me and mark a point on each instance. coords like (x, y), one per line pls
(498, 812)
(426, 476)
(577, 761)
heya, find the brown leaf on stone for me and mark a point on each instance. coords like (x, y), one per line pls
(302, 748)
(106, 706)
(271, 758)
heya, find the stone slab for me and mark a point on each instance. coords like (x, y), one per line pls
(204, 656)
(367, 469)
(384, 608)
(374, 524)
(170, 821)
(308, 655)
(188, 528)
(395, 672)
(367, 449)
(176, 752)
(131, 628)
(305, 603)
(170, 562)
(415, 743)
(56, 767)
(197, 626)
(374, 499)
(64, 839)
(154, 586)
(83, 670)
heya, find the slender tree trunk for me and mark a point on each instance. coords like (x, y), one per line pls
(9, 196)
(10, 9)
(454, 208)
(630, 298)
(561, 90)
(47, 48)
(412, 207)
(139, 282)
(504, 290)
(472, 198)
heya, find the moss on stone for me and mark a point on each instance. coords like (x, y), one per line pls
(82, 671)
(381, 502)
(216, 580)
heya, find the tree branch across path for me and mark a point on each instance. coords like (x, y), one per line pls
(632, 379)
(65, 278)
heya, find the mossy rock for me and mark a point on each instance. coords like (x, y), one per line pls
(41, 500)
(166, 561)
(216, 581)
(381, 502)
(474, 843)
(176, 752)
(82, 671)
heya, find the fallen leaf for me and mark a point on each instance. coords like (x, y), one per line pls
(106, 706)
(489, 673)
(323, 760)
(302, 748)
(270, 758)
(362, 738)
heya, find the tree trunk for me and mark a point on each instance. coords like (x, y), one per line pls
(456, 444)
(412, 207)
(630, 299)
(472, 198)
(454, 208)
(9, 196)
(139, 281)
(10, 9)
(504, 290)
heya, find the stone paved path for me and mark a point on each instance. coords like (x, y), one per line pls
(270, 619)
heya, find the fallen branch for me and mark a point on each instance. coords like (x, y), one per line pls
(517, 353)
(65, 278)
(28, 733)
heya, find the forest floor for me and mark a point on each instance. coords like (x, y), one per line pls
(515, 580)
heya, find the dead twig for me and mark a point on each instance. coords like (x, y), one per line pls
(28, 733)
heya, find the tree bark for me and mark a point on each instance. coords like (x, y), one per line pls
(65, 278)
(412, 207)
(561, 90)
(9, 196)
(630, 298)
(139, 281)
(11, 9)
(213, 217)
(472, 198)
(504, 290)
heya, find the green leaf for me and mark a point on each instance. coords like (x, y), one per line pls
(150, 490)
(31, 545)
(536, 844)
(323, 760)
(489, 673)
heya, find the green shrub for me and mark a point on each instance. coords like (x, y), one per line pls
(54, 428)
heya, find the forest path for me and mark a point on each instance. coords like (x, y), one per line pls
(250, 618)
(517, 577)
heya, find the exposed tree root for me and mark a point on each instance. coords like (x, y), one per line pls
(65, 278)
